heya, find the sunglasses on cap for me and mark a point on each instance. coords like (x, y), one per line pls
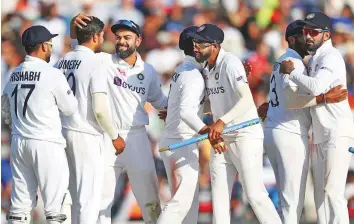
(126, 23)
(312, 32)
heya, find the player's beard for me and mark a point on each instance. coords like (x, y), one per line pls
(314, 46)
(200, 58)
(47, 58)
(124, 54)
(301, 47)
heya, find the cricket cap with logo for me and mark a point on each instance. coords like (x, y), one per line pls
(208, 33)
(36, 35)
(318, 20)
(127, 24)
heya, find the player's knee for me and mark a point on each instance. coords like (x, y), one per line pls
(19, 218)
(59, 218)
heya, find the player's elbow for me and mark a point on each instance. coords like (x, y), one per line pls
(70, 109)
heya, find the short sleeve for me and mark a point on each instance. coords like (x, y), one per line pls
(236, 73)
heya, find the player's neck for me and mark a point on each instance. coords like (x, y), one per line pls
(212, 59)
(89, 45)
(131, 60)
(37, 55)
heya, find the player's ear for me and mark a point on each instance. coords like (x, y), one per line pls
(327, 35)
(291, 40)
(138, 41)
(95, 38)
(44, 47)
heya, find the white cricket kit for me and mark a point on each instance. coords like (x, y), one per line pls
(286, 142)
(183, 121)
(37, 93)
(84, 135)
(333, 133)
(245, 151)
(129, 88)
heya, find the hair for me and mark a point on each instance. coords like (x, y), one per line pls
(86, 33)
(32, 48)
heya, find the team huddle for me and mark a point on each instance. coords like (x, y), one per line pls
(74, 134)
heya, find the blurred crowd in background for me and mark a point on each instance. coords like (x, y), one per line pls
(254, 31)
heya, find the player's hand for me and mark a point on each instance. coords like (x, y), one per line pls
(262, 111)
(218, 145)
(163, 114)
(286, 67)
(248, 68)
(119, 145)
(216, 130)
(336, 94)
(78, 20)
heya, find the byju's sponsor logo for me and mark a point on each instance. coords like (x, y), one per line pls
(119, 82)
(215, 90)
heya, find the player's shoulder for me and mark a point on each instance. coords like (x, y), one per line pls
(231, 61)
(332, 55)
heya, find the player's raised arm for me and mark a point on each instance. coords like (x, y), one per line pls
(64, 96)
(155, 95)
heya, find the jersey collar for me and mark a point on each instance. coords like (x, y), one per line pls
(29, 58)
(293, 53)
(139, 62)
(219, 58)
(327, 44)
(191, 60)
(83, 48)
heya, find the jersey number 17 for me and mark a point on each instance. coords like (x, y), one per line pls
(14, 94)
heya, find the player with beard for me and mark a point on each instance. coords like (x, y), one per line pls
(232, 103)
(84, 130)
(131, 83)
(286, 130)
(333, 128)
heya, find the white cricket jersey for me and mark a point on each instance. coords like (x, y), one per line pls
(326, 70)
(221, 83)
(37, 92)
(129, 88)
(185, 101)
(279, 117)
(81, 68)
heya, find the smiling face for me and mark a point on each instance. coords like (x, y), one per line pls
(202, 51)
(126, 42)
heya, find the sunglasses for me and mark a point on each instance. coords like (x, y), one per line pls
(312, 32)
(201, 46)
(127, 23)
(50, 44)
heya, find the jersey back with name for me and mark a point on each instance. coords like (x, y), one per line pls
(79, 66)
(33, 107)
(175, 127)
(296, 121)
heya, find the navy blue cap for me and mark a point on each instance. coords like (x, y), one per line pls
(319, 20)
(184, 39)
(208, 33)
(294, 28)
(36, 35)
(128, 24)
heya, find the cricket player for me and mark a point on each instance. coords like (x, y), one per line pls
(333, 128)
(287, 127)
(183, 121)
(231, 103)
(131, 83)
(84, 130)
(37, 94)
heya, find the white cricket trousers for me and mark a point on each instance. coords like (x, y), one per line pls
(85, 158)
(37, 163)
(329, 164)
(137, 161)
(246, 157)
(182, 168)
(289, 156)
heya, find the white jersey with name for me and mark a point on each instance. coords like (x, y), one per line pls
(221, 83)
(185, 101)
(326, 70)
(37, 92)
(129, 88)
(293, 121)
(81, 68)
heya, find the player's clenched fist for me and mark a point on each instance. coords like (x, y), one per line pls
(119, 145)
(262, 111)
(218, 145)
